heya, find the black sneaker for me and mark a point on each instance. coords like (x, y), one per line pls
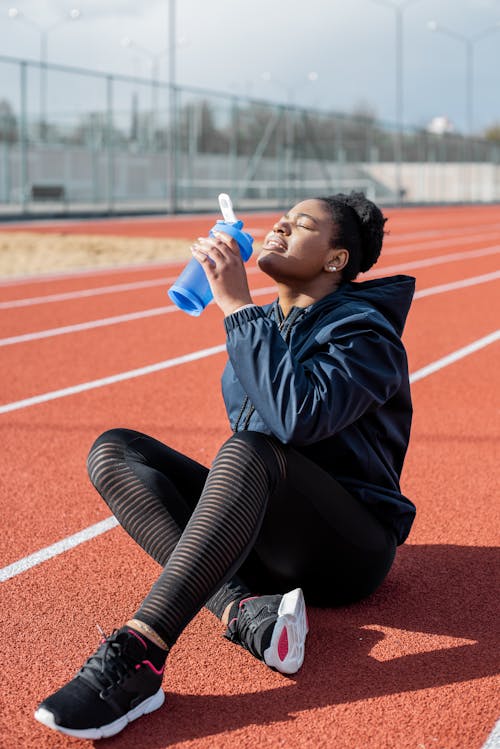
(118, 684)
(273, 629)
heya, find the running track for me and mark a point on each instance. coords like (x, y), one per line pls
(415, 666)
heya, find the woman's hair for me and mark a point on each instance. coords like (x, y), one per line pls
(359, 228)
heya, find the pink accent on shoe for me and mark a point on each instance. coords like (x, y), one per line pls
(250, 598)
(133, 632)
(233, 620)
(153, 668)
(283, 645)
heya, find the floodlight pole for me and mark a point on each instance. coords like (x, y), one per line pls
(155, 58)
(398, 8)
(172, 140)
(469, 42)
(73, 15)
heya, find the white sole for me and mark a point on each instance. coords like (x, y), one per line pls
(286, 649)
(147, 706)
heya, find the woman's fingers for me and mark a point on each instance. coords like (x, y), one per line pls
(217, 249)
(224, 269)
(203, 256)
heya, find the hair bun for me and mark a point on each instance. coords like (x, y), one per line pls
(372, 223)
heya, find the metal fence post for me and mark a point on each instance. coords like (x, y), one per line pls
(110, 187)
(23, 139)
(6, 172)
(172, 150)
(233, 144)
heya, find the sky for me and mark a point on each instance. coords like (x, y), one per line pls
(227, 45)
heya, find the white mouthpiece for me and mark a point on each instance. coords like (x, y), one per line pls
(226, 208)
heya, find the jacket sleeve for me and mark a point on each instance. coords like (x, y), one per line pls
(355, 364)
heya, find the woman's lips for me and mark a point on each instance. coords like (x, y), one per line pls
(275, 243)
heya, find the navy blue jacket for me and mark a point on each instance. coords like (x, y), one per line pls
(333, 383)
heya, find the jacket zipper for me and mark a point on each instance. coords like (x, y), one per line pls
(285, 327)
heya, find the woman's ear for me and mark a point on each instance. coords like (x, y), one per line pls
(336, 260)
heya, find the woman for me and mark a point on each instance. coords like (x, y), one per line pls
(305, 494)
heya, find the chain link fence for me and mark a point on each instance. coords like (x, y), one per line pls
(74, 140)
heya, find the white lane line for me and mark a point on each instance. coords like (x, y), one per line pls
(481, 229)
(32, 560)
(64, 296)
(111, 379)
(103, 322)
(95, 291)
(428, 261)
(77, 327)
(438, 244)
(493, 740)
(132, 267)
(93, 271)
(460, 353)
(453, 285)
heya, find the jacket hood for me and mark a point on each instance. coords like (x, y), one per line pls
(391, 296)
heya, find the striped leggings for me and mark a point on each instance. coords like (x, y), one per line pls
(263, 519)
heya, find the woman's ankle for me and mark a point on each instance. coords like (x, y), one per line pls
(148, 632)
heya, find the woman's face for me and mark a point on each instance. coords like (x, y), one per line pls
(300, 243)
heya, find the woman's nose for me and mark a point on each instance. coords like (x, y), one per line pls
(281, 226)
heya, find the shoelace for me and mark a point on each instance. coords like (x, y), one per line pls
(107, 667)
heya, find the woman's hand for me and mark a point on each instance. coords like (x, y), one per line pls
(221, 260)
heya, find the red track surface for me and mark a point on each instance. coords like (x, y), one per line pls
(412, 667)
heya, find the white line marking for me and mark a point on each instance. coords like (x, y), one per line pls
(93, 271)
(116, 288)
(437, 239)
(130, 268)
(103, 322)
(111, 379)
(72, 390)
(455, 356)
(32, 560)
(493, 740)
(455, 232)
(453, 285)
(428, 261)
(438, 243)
(95, 291)
(66, 295)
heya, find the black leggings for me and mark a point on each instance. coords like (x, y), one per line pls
(263, 519)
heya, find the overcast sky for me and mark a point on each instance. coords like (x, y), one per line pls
(227, 45)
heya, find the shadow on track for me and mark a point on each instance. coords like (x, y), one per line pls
(439, 590)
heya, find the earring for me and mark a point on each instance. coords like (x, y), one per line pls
(332, 268)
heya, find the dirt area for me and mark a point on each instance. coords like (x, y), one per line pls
(27, 253)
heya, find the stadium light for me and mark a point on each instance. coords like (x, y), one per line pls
(469, 42)
(172, 170)
(155, 58)
(398, 8)
(15, 14)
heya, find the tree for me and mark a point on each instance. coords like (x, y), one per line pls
(8, 122)
(493, 133)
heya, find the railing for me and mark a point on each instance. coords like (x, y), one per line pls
(114, 146)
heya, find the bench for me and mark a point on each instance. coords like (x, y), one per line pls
(48, 192)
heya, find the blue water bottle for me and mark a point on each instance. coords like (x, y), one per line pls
(191, 292)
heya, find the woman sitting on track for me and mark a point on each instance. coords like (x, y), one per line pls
(304, 495)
